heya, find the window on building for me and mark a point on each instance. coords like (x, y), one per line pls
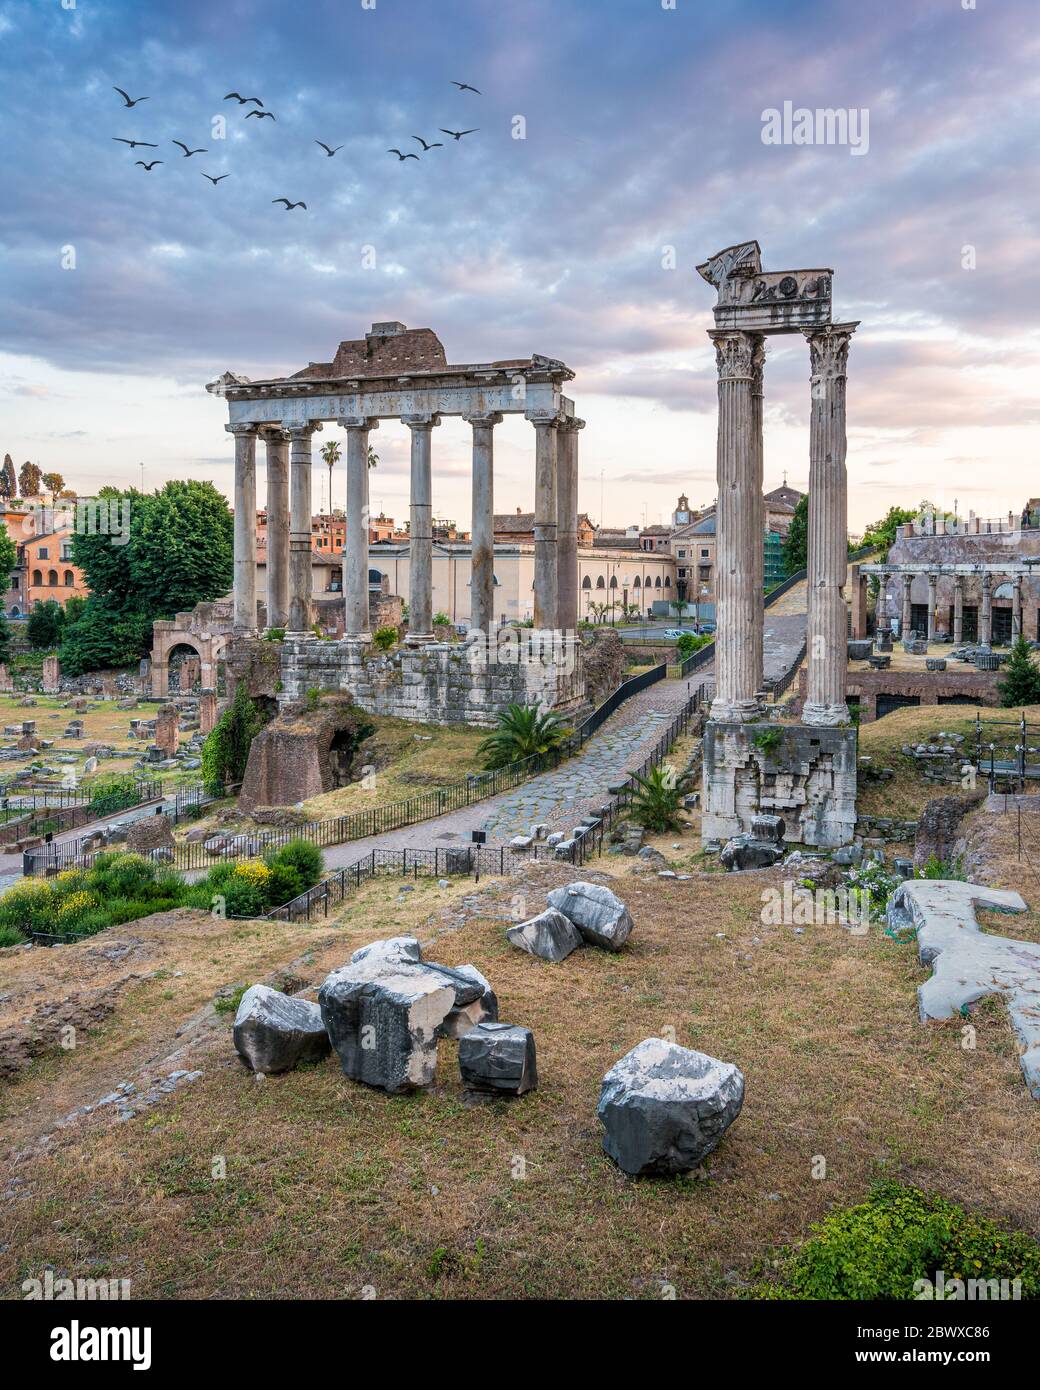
(657, 582)
(613, 581)
(42, 553)
(14, 581)
(704, 554)
(682, 554)
(69, 581)
(37, 577)
(682, 573)
(586, 583)
(601, 583)
(636, 583)
(667, 581)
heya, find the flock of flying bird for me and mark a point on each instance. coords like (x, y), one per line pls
(260, 113)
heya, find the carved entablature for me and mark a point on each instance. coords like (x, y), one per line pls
(771, 301)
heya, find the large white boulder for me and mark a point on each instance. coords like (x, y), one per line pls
(550, 935)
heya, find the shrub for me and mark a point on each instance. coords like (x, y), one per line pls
(119, 874)
(899, 1235)
(690, 642)
(286, 883)
(115, 791)
(226, 750)
(441, 620)
(384, 638)
(28, 906)
(10, 936)
(302, 855)
(523, 731)
(1021, 683)
(243, 897)
(658, 798)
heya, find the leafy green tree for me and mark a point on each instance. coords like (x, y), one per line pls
(1021, 683)
(8, 482)
(5, 636)
(226, 750)
(881, 534)
(45, 625)
(658, 798)
(523, 731)
(796, 542)
(54, 482)
(179, 552)
(29, 478)
(8, 553)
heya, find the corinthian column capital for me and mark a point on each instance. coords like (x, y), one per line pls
(483, 419)
(425, 420)
(735, 354)
(243, 431)
(303, 431)
(570, 424)
(829, 349)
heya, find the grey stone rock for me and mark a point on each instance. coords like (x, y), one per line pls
(849, 854)
(498, 1057)
(549, 936)
(274, 1032)
(664, 1108)
(521, 842)
(391, 949)
(600, 916)
(383, 1018)
(749, 852)
(475, 1000)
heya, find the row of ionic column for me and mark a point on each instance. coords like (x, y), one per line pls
(739, 676)
(985, 608)
(289, 536)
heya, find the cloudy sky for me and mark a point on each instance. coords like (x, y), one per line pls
(643, 154)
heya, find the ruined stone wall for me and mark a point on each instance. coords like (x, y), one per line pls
(930, 687)
(806, 774)
(439, 683)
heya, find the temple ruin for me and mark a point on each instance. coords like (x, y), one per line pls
(805, 773)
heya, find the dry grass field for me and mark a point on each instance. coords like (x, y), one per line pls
(332, 1189)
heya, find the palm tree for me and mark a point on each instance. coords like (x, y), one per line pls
(373, 458)
(658, 798)
(523, 732)
(330, 452)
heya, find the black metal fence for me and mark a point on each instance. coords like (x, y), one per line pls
(1007, 752)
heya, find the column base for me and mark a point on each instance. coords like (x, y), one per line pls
(237, 631)
(825, 716)
(305, 636)
(736, 711)
(357, 637)
(418, 639)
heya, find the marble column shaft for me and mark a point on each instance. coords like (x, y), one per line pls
(958, 610)
(244, 606)
(567, 523)
(933, 581)
(739, 523)
(420, 545)
(546, 591)
(277, 443)
(355, 549)
(482, 562)
(827, 629)
(986, 615)
(301, 579)
(1016, 607)
(907, 622)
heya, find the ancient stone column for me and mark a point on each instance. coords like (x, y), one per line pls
(958, 609)
(1016, 607)
(933, 581)
(301, 581)
(906, 622)
(739, 537)
(355, 549)
(244, 608)
(567, 523)
(546, 591)
(827, 645)
(859, 603)
(986, 615)
(420, 547)
(277, 442)
(482, 572)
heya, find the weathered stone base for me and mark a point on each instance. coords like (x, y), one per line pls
(807, 775)
(438, 683)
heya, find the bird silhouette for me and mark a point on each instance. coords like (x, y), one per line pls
(148, 167)
(325, 147)
(433, 145)
(214, 180)
(402, 156)
(465, 87)
(188, 153)
(458, 134)
(130, 101)
(262, 114)
(289, 206)
(144, 144)
(242, 100)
